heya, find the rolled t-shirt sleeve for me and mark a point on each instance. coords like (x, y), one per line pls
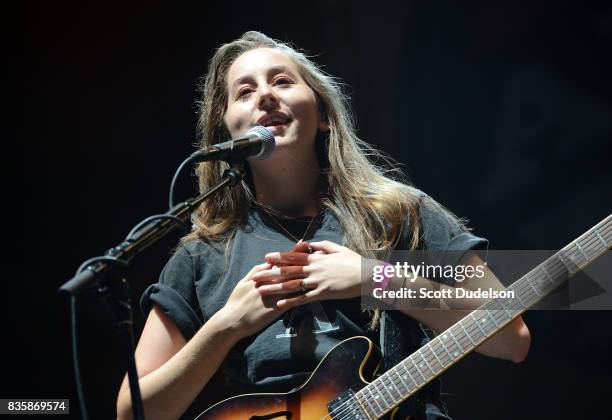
(175, 294)
(444, 234)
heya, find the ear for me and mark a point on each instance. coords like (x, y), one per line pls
(323, 125)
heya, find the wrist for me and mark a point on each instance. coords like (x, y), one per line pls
(222, 323)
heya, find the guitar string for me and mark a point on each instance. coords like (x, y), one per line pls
(593, 243)
(447, 359)
(588, 246)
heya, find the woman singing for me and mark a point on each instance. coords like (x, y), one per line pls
(269, 280)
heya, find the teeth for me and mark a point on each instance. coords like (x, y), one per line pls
(275, 121)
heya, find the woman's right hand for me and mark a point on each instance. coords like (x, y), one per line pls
(247, 311)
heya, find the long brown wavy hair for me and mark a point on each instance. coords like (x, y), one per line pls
(372, 201)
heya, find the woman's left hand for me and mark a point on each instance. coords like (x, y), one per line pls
(331, 272)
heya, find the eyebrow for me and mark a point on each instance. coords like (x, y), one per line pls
(271, 71)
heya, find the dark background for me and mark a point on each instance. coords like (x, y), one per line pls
(500, 110)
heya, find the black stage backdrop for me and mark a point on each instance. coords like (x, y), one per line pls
(500, 110)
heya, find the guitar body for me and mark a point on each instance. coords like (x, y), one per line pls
(342, 370)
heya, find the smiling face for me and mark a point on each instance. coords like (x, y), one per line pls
(265, 88)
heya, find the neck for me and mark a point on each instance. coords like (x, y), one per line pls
(288, 186)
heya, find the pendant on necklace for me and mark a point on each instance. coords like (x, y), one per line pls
(309, 247)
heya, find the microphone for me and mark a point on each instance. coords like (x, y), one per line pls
(258, 143)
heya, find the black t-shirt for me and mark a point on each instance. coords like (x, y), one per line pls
(200, 276)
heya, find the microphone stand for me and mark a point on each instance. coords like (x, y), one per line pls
(105, 272)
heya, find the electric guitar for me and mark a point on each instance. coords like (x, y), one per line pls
(337, 388)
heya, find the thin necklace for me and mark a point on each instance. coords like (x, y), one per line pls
(298, 241)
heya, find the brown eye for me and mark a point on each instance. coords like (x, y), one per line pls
(244, 92)
(282, 81)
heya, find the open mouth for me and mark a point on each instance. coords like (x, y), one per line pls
(274, 121)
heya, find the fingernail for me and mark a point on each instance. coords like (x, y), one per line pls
(273, 255)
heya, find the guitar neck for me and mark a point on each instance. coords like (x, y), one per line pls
(408, 376)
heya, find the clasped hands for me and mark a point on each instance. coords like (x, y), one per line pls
(332, 271)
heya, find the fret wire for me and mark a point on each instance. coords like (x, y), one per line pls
(559, 267)
(521, 300)
(606, 230)
(420, 374)
(437, 346)
(503, 317)
(444, 345)
(526, 292)
(396, 388)
(595, 243)
(478, 324)
(435, 355)
(420, 352)
(455, 339)
(560, 257)
(418, 370)
(492, 318)
(581, 250)
(543, 268)
(473, 328)
(600, 238)
(484, 321)
(578, 260)
(506, 309)
(362, 397)
(457, 348)
(370, 398)
(466, 332)
(375, 397)
(532, 287)
(386, 387)
(416, 384)
(589, 240)
(540, 283)
(380, 393)
(400, 377)
(363, 406)
(591, 243)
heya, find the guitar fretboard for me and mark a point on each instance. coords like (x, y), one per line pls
(407, 377)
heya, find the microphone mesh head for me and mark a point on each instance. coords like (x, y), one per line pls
(267, 141)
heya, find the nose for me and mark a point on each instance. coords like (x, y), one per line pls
(267, 99)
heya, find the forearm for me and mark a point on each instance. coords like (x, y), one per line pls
(169, 390)
(510, 343)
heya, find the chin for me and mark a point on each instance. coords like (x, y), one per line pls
(282, 141)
